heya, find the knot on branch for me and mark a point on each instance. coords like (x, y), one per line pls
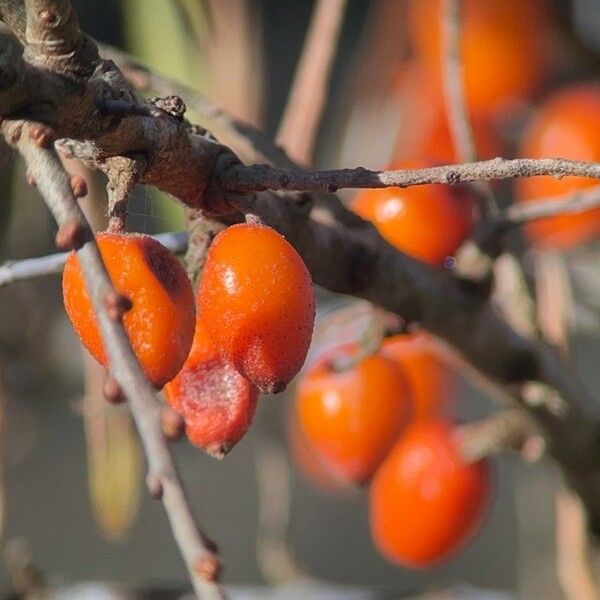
(216, 200)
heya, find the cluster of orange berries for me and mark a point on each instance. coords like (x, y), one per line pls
(381, 420)
(213, 352)
(508, 48)
(378, 420)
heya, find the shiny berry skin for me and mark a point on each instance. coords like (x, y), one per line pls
(425, 501)
(160, 325)
(216, 402)
(428, 222)
(512, 35)
(257, 302)
(566, 125)
(431, 380)
(352, 417)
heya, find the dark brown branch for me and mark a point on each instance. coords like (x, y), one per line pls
(55, 187)
(298, 129)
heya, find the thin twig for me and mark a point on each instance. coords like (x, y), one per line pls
(454, 89)
(44, 166)
(457, 112)
(509, 429)
(306, 101)
(515, 215)
(31, 268)
(245, 179)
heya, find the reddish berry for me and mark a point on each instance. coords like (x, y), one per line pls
(216, 402)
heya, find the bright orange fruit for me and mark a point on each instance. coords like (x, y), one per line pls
(160, 325)
(257, 302)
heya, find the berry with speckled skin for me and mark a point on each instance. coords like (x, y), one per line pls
(216, 402)
(160, 324)
(257, 302)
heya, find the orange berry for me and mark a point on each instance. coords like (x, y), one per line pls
(566, 125)
(511, 35)
(352, 417)
(257, 302)
(430, 378)
(428, 222)
(424, 133)
(216, 402)
(160, 324)
(425, 500)
(310, 465)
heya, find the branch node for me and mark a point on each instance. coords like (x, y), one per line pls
(172, 423)
(69, 235)
(116, 305)
(112, 391)
(208, 568)
(42, 136)
(79, 186)
(154, 485)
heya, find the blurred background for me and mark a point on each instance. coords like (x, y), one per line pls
(72, 472)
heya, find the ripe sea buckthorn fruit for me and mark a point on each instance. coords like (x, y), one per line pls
(424, 132)
(352, 417)
(431, 380)
(512, 35)
(566, 125)
(216, 402)
(425, 500)
(257, 303)
(160, 324)
(429, 222)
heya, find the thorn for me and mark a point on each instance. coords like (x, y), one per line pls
(69, 236)
(116, 305)
(42, 136)
(112, 391)
(79, 186)
(172, 423)
(154, 485)
(208, 568)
